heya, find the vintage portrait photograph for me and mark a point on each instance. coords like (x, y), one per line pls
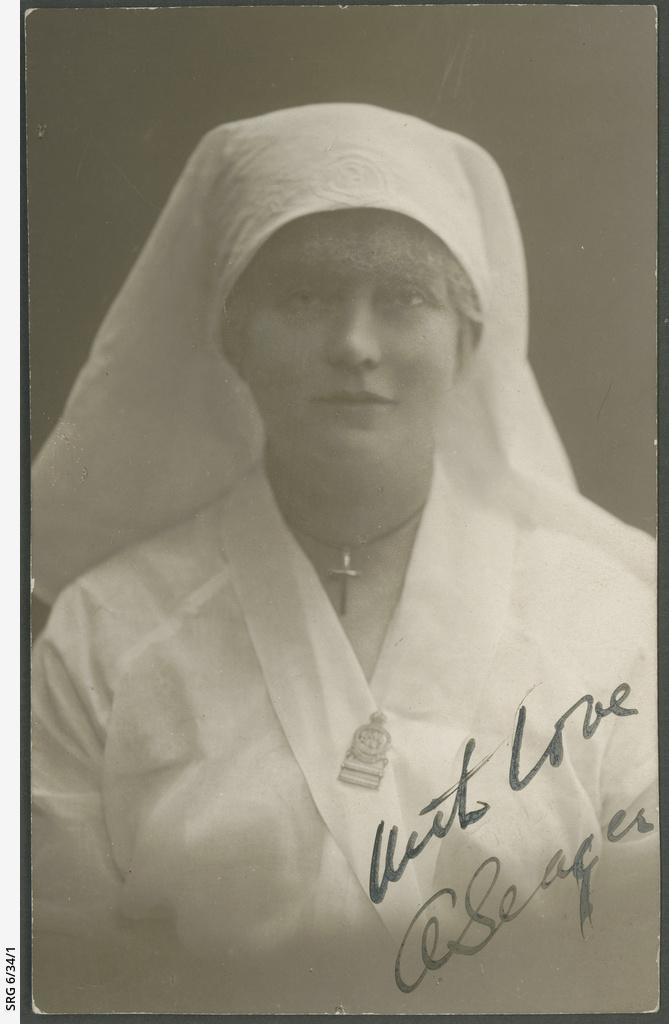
(342, 329)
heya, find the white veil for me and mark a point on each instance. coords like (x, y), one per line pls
(158, 425)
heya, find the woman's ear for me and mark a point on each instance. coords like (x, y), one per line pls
(468, 339)
(232, 340)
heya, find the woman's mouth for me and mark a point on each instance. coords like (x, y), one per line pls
(357, 397)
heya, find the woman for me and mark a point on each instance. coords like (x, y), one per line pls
(366, 607)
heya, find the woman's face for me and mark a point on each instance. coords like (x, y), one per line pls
(347, 336)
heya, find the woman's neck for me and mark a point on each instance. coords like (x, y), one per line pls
(349, 504)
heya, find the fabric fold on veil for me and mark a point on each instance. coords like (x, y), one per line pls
(159, 425)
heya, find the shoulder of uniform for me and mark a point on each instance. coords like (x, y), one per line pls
(127, 596)
(595, 584)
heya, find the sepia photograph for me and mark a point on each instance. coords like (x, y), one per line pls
(342, 330)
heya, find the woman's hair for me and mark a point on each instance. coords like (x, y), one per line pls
(461, 290)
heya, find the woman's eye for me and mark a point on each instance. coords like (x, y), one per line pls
(305, 299)
(301, 297)
(408, 297)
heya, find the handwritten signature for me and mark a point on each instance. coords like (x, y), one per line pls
(507, 910)
(594, 713)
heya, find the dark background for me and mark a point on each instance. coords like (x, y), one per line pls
(563, 97)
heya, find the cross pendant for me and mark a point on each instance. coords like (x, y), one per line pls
(344, 574)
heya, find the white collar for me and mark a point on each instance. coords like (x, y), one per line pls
(450, 614)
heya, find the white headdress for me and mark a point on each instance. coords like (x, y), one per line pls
(158, 424)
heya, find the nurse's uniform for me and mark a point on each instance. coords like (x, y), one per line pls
(195, 698)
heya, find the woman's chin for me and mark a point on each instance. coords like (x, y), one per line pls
(359, 446)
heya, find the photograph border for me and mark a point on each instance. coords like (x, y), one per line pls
(27, 1012)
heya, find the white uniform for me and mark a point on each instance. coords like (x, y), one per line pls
(196, 695)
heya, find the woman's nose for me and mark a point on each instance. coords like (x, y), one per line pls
(354, 341)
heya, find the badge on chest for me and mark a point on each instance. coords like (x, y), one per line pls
(365, 763)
